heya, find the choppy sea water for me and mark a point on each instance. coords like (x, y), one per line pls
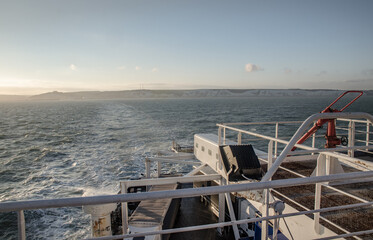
(67, 149)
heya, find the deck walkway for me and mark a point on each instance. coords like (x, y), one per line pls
(152, 212)
(193, 212)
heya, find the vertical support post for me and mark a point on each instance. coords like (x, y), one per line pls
(276, 136)
(275, 228)
(221, 207)
(123, 186)
(266, 192)
(327, 165)
(320, 171)
(239, 138)
(21, 225)
(367, 137)
(159, 168)
(224, 136)
(313, 141)
(266, 214)
(233, 217)
(219, 136)
(270, 156)
(147, 168)
(351, 138)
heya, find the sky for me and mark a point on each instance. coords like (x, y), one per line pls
(120, 45)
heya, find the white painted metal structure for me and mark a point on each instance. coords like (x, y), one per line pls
(324, 175)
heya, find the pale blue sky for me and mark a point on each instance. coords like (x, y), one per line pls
(119, 45)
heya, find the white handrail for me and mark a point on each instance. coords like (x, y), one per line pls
(237, 222)
(191, 192)
(260, 123)
(292, 142)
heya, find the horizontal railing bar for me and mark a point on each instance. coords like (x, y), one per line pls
(260, 135)
(362, 131)
(259, 123)
(330, 150)
(347, 235)
(353, 120)
(341, 128)
(179, 156)
(237, 222)
(281, 138)
(363, 141)
(173, 161)
(135, 197)
(356, 130)
(170, 180)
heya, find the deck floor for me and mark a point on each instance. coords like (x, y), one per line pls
(193, 212)
(152, 212)
(352, 220)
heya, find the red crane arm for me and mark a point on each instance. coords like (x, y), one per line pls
(331, 135)
(353, 100)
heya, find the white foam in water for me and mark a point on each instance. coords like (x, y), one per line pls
(99, 192)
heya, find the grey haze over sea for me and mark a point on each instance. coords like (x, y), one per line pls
(70, 148)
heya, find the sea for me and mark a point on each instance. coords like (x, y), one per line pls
(74, 148)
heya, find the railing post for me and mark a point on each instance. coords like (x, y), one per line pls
(219, 136)
(266, 214)
(351, 138)
(367, 136)
(147, 168)
(221, 206)
(239, 138)
(224, 136)
(159, 168)
(313, 140)
(270, 156)
(276, 136)
(275, 228)
(320, 171)
(123, 186)
(21, 225)
(232, 215)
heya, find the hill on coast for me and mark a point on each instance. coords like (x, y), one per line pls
(203, 93)
(199, 93)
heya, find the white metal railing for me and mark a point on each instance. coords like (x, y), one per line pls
(181, 193)
(352, 131)
(352, 117)
(243, 221)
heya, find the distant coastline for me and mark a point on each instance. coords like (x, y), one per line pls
(198, 93)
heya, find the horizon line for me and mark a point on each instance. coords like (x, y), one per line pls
(186, 89)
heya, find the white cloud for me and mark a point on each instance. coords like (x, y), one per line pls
(287, 71)
(252, 67)
(121, 67)
(155, 69)
(73, 67)
(137, 68)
